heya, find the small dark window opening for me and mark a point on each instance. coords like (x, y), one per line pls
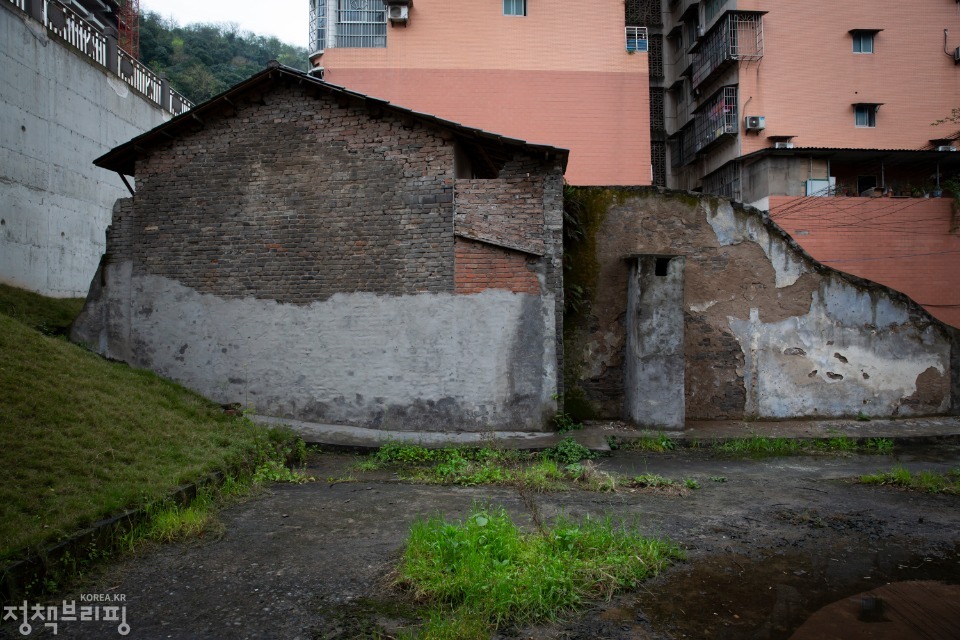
(660, 268)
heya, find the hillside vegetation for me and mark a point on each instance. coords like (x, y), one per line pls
(202, 60)
(82, 438)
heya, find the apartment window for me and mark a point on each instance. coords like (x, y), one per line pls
(863, 40)
(514, 7)
(712, 9)
(865, 115)
(361, 24)
(637, 39)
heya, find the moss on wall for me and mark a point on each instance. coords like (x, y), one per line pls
(584, 210)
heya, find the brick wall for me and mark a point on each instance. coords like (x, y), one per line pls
(295, 197)
(507, 211)
(481, 266)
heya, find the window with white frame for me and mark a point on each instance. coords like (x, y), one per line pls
(863, 41)
(361, 24)
(514, 7)
(865, 115)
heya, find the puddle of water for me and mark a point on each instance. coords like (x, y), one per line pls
(897, 611)
(733, 597)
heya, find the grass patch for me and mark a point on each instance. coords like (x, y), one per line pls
(655, 443)
(484, 573)
(51, 316)
(82, 438)
(765, 446)
(926, 481)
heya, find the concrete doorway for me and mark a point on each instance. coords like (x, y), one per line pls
(654, 362)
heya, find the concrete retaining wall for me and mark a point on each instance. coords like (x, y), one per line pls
(58, 111)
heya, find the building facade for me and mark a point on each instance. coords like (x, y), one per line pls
(315, 254)
(547, 71)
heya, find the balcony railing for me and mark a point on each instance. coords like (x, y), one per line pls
(736, 37)
(89, 40)
(725, 181)
(717, 118)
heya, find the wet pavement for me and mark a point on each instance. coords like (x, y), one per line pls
(770, 543)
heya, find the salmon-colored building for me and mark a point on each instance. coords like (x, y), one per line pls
(546, 71)
(821, 112)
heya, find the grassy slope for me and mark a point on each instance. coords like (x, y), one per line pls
(81, 437)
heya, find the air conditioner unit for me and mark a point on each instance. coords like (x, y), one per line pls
(399, 13)
(755, 123)
(946, 147)
(316, 72)
(783, 145)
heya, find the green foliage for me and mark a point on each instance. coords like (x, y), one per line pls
(691, 483)
(484, 573)
(50, 316)
(564, 423)
(883, 446)
(202, 60)
(567, 451)
(926, 481)
(658, 443)
(757, 445)
(651, 480)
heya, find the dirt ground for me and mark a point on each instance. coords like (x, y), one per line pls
(768, 546)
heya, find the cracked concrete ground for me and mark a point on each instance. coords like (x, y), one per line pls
(774, 541)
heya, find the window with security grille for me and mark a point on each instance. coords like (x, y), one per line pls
(514, 7)
(361, 24)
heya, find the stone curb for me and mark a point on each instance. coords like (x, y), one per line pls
(34, 568)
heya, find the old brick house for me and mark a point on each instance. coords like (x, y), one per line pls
(318, 254)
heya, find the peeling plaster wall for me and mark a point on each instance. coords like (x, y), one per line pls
(412, 362)
(769, 332)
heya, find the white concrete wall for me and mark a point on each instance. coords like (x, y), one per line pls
(58, 112)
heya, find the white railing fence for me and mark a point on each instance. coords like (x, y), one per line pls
(102, 48)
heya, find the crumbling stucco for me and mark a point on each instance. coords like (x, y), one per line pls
(761, 317)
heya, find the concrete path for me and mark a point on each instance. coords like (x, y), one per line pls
(595, 435)
(769, 543)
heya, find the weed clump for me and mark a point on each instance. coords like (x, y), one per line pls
(926, 481)
(484, 572)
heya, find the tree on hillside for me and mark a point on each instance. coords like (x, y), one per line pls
(202, 60)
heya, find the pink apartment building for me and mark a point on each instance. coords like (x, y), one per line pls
(544, 71)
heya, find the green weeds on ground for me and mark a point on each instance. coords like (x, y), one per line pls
(564, 466)
(484, 573)
(926, 481)
(655, 443)
(764, 446)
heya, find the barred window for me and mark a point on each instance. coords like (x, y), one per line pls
(362, 24)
